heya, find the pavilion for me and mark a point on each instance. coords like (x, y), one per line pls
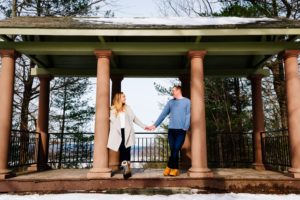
(114, 48)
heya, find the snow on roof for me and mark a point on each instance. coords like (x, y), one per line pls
(148, 23)
(176, 21)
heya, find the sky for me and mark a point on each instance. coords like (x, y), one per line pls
(136, 8)
(144, 100)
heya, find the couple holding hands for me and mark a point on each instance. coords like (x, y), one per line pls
(121, 134)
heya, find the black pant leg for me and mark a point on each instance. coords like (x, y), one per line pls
(124, 152)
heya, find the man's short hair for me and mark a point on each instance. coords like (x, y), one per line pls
(178, 87)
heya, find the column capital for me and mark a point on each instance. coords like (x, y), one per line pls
(197, 54)
(8, 53)
(103, 53)
(290, 53)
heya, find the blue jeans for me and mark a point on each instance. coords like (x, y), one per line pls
(176, 139)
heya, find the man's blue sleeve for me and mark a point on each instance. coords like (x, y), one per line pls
(187, 116)
(163, 114)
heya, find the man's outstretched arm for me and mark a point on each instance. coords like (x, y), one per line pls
(161, 117)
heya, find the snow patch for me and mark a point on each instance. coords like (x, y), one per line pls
(175, 21)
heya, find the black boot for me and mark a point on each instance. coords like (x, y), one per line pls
(126, 169)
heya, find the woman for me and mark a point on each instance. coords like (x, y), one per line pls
(121, 134)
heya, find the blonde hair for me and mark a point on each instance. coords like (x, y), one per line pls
(117, 105)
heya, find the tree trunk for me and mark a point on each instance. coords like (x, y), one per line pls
(24, 135)
(14, 8)
(237, 92)
(63, 124)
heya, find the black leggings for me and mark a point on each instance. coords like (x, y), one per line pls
(124, 152)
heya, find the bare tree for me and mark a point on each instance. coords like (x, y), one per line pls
(178, 8)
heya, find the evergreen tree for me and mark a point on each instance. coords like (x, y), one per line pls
(71, 115)
(70, 110)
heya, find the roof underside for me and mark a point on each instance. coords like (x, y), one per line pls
(65, 46)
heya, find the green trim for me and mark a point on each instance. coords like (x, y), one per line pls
(146, 73)
(88, 48)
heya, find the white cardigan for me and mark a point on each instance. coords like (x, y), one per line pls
(115, 138)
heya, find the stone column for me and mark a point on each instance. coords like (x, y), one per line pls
(186, 147)
(198, 124)
(100, 164)
(114, 157)
(258, 120)
(43, 122)
(293, 104)
(7, 76)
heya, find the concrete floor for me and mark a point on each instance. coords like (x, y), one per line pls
(227, 173)
(224, 180)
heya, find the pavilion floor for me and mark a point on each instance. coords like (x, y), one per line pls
(223, 180)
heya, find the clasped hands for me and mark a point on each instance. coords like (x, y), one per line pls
(150, 128)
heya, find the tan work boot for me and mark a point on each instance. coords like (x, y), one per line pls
(167, 171)
(174, 172)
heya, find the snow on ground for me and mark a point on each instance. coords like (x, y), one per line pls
(175, 21)
(77, 196)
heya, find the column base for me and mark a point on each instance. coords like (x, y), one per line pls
(114, 166)
(5, 174)
(113, 162)
(258, 166)
(294, 172)
(200, 173)
(98, 173)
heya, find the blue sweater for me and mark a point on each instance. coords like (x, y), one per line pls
(180, 114)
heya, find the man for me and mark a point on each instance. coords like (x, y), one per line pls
(179, 109)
